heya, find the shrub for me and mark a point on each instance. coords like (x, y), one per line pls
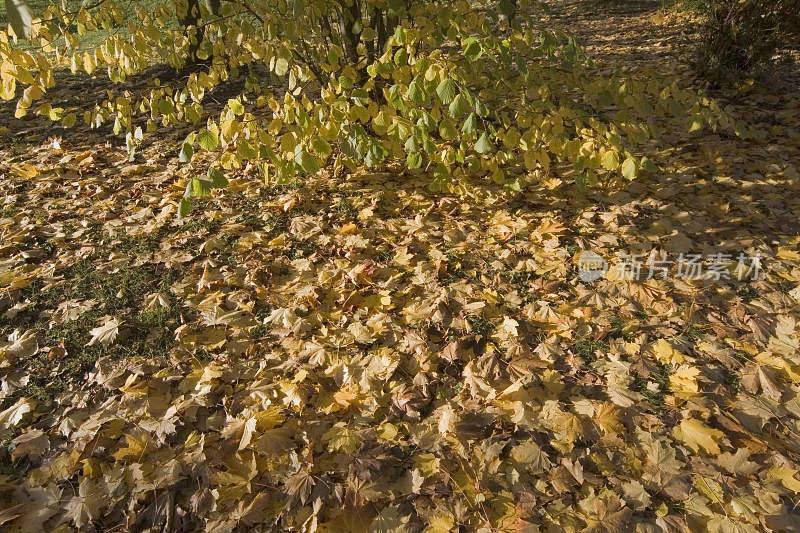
(741, 36)
(456, 89)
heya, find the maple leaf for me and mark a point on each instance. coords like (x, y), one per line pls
(32, 443)
(14, 414)
(86, 506)
(342, 438)
(530, 456)
(509, 327)
(19, 345)
(203, 501)
(684, 381)
(299, 485)
(106, 332)
(608, 417)
(389, 520)
(786, 476)
(134, 450)
(697, 435)
(440, 524)
(247, 433)
(160, 428)
(665, 353)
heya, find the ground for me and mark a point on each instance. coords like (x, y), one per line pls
(357, 353)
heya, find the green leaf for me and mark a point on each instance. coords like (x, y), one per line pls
(208, 140)
(447, 130)
(414, 160)
(333, 56)
(629, 169)
(428, 145)
(186, 153)
(472, 49)
(193, 112)
(411, 145)
(481, 108)
(360, 97)
(184, 207)
(245, 150)
(471, 124)
(321, 146)
(375, 154)
(200, 188)
(235, 106)
(615, 140)
(281, 66)
(346, 82)
(399, 34)
(648, 164)
(415, 94)
(483, 145)
(441, 172)
(580, 181)
(165, 107)
(218, 180)
(459, 107)
(696, 124)
(427, 122)
(447, 90)
(610, 160)
(396, 98)
(305, 160)
(401, 57)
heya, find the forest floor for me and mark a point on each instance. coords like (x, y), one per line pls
(361, 354)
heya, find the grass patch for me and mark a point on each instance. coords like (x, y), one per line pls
(63, 367)
(345, 210)
(586, 349)
(659, 374)
(479, 325)
(455, 269)
(91, 39)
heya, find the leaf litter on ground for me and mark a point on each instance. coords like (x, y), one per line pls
(359, 354)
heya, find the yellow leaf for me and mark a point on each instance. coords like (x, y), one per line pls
(607, 417)
(269, 418)
(342, 438)
(247, 433)
(665, 353)
(786, 476)
(440, 524)
(26, 170)
(684, 380)
(696, 435)
(68, 120)
(387, 431)
(785, 252)
(709, 488)
(134, 450)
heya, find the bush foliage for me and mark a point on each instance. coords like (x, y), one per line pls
(456, 89)
(740, 36)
